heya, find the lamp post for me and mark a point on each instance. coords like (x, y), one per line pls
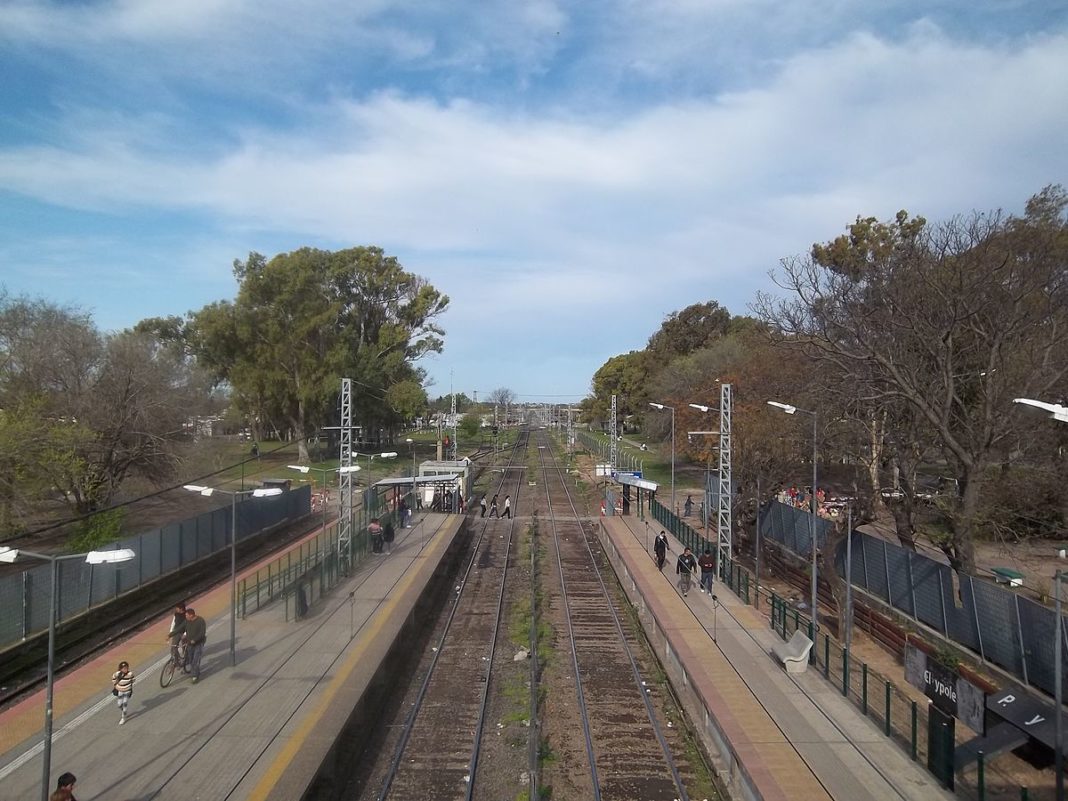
(92, 558)
(661, 407)
(263, 492)
(790, 409)
(411, 444)
(707, 502)
(1058, 412)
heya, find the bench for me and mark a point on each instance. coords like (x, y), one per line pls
(793, 653)
(1006, 575)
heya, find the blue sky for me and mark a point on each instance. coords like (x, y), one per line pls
(567, 172)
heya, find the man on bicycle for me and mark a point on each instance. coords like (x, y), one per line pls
(177, 629)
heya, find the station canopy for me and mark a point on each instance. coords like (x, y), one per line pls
(634, 481)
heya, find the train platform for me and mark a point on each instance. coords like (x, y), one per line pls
(772, 735)
(260, 730)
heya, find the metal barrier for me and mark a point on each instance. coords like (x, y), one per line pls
(301, 575)
(24, 597)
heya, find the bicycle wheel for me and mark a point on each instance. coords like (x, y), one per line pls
(167, 673)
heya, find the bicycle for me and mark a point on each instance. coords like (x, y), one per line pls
(177, 662)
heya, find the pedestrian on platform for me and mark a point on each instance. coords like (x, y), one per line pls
(687, 508)
(508, 506)
(685, 568)
(405, 514)
(493, 508)
(660, 548)
(483, 505)
(196, 630)
(388, 535)
(708, 570)
(374, 531)
(64, 788)
(122, 681)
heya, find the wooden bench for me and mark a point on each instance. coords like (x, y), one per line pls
(794, 652)
(1006, 575)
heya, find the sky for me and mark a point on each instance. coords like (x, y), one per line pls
(568, 173)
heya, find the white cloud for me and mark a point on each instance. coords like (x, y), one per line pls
(637, 210)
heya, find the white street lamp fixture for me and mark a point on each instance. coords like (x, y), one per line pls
(1054, 410)
(786, 407)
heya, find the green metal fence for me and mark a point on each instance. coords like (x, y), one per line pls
(301, 575)
(894, 711)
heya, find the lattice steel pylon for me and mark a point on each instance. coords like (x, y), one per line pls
(726, 483)
(344, 538)
(614, 436)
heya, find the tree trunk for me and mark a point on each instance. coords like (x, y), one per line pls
(828, 571)
(297, 422)
(961, 546)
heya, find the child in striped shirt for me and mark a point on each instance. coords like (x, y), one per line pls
(122, 688)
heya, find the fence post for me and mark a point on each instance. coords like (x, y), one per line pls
(887, 726)
(864, 687)
(980, 777)
(845, 672)
(914, 715)
(1023, 793)
(826, 656)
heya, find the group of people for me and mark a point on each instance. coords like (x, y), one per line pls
(493, 509)
(802, 498)
(381, 536)
(687, 565)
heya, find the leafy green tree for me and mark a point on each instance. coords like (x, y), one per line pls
(625, 377)
(695, 327)
(304, 320)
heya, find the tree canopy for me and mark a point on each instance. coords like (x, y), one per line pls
(303, 320)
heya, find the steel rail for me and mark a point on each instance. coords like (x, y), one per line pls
(408, 727)
(635, 671)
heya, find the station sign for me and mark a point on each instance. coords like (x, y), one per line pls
(949, 691)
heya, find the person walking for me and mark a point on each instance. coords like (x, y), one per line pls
(687, 508)
(482, 504)
(64, 788)
(685, 568)
(508, 506)
(122, 681)
(493, 508)
(660, 548)
(196, 630)
(708, 570)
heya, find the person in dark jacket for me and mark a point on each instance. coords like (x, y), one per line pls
(196, 630)
(685, 568)
(708, 570)
(660, 548)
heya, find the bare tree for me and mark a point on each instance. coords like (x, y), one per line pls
(953, 320)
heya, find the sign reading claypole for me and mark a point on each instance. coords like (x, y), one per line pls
(952, 694)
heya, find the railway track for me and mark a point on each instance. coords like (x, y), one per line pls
(627, 754)
(437, 754)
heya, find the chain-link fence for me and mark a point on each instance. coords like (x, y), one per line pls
(999, 625)
(25, 597)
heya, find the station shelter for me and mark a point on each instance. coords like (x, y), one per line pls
(627, 489)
